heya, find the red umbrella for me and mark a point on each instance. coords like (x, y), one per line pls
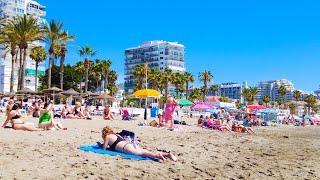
(255, 107)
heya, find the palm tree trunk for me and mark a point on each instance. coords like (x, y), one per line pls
(106, 83)
(23, 67)
(86, 81)
(20, 69)
(49, 69)
(12, 72)
(61, 70)
(187, 89)
(36, 78)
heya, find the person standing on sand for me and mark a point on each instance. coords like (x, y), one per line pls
(169, 109)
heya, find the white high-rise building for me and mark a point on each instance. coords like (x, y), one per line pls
(11, 9)
(270, 88)
(156, 54)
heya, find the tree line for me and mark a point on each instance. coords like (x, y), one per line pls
(19, 37)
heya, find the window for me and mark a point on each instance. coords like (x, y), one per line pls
(161, 57)
(161, 52)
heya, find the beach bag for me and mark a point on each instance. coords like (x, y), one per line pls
(153, 123)
(129, 137)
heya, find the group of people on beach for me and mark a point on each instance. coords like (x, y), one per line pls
(39, 109)
(45, 112)
(226, 122)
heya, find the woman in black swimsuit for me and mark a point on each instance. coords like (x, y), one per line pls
(17, 124)
(115, 142)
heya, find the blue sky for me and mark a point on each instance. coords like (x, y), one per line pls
(236, 40)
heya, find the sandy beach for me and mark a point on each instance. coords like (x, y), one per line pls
(284, 152)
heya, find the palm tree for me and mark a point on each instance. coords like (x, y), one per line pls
(266, 100)
(154, 78)
(311, 101)
(297, 95)
(166, 80)
(112, 79)
(196, 94)
(38, 54)
(205, 77)
(9, 40)
(178, 81)
(54, 34)
(105, 68)
(65, 37)
(139, 74)
(27, 30)
(86, 52)
(80, 69)
(249, 94)
(189, 78)
(214, 88)
(282, 92)
(292, 107)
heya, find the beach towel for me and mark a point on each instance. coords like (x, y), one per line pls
(96, 149)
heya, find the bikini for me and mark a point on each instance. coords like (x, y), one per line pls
(15, 118)
(76, 111)
(119, 139)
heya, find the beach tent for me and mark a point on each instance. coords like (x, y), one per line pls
(184, 102)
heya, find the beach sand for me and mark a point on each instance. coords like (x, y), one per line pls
(284, 152)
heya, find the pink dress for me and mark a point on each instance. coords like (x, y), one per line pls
(168, 111)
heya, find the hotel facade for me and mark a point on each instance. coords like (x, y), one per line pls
(156, 54)
(10, 9)
(270, 88)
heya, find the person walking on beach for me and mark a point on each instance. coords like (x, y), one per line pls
(170, 107)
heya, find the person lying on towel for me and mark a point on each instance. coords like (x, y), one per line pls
(115, 142)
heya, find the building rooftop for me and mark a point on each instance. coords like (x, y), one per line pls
(156, 42)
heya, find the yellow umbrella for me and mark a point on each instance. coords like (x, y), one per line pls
(145, 93)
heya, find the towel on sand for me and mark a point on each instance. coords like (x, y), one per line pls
(98, 150)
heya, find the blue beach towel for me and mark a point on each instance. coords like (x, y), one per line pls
(96, 149)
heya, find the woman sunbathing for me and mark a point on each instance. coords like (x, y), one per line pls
(66, 112)
(242, 129)
(117, 143)
(107, 115)
(80, 113)
(14, 116)
(46, 120)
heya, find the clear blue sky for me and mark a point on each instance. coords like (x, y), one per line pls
(236, 40)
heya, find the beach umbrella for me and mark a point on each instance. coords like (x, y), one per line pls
(145, 93)
(105, 96)
(26, 91)
(184, 102)
(201, 106)
(89, 93)
(255, 107)
(52, 91)
(70, 92)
